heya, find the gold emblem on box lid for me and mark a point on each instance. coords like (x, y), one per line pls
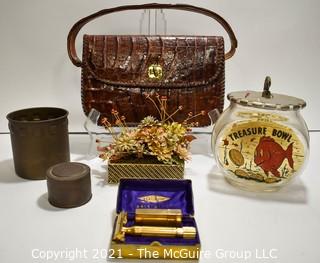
(153, 198)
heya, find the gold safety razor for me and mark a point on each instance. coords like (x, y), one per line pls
(149, 231)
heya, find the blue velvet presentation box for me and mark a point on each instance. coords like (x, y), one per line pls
(155, 194)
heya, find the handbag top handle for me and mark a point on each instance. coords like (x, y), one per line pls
(78, 25)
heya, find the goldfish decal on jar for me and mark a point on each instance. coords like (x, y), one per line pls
(260, 150)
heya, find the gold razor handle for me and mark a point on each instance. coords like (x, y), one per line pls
(186, 232)
(158, 217)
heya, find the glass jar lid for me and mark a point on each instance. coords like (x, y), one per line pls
(266, 99)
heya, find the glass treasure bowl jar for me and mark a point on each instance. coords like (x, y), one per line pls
(261, 141)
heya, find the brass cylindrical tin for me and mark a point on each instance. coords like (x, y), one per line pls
(69, 184)
(158, 217)
(39, 138)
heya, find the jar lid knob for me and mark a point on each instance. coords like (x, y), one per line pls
(266, 88)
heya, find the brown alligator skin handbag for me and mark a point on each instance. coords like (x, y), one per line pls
(117, 70)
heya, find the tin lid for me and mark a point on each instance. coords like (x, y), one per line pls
(68, 171)
(266, 99)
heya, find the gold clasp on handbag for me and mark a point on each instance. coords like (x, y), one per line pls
(155, 72)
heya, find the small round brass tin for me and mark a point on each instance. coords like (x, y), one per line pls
(155, 72)
(69, 184)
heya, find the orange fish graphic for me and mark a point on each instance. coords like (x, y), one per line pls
(269, 155)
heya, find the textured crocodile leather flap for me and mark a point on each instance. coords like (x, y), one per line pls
(125, 60)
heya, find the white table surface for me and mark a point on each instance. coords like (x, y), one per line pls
(232, 223)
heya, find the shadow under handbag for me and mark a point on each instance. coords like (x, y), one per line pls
(118, 70)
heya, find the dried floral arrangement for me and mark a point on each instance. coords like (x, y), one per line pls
(159, 141)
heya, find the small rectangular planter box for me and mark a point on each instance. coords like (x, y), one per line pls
(139, 170)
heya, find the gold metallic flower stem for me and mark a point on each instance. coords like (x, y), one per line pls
(171, 115)
(194, 116)
(154, 103)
